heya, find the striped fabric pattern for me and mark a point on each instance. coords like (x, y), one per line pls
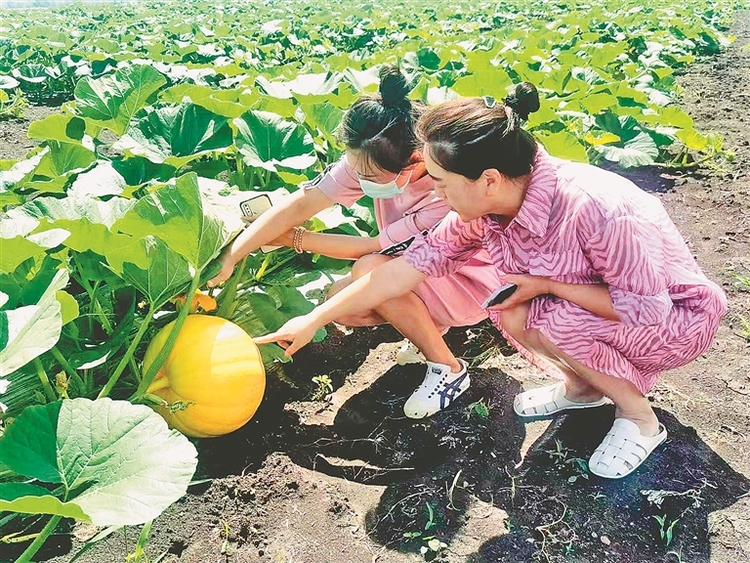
(452, 300)
(580, 224)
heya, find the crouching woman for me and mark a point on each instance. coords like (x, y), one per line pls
(608, 293)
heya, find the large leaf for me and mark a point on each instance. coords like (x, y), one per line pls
(176, 135)
(266, 140)
(113, 100)
(102, 180)
(324, 117)
(17, 250)
(641, 150)
(27, 332)
(222, 102)
(563, 145)
(315, 84)
(87, 219)
(118, 462)
(164, 275)
(60, 160)
(488, 82)
(58, 127)
(178, 215)
(33, 499)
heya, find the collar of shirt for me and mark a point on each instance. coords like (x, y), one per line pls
(534, 215)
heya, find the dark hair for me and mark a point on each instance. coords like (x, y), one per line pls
(470, 135)
(381, 126)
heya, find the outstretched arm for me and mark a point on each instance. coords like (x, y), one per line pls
(346, 247)
(291, 211)
(394, 278)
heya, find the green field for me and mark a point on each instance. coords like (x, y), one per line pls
(169, 114)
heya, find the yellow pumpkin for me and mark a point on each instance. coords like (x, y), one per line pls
(213, 379)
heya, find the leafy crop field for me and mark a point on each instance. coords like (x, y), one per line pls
(129, 134)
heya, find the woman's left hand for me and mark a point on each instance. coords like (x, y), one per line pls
(528, 288)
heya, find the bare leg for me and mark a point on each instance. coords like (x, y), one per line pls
(407, 313)
(576, 389)
(582, 383)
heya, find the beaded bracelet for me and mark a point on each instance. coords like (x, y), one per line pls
(299, 232)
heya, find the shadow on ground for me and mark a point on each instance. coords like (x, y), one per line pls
(440, 469)
(441, 472)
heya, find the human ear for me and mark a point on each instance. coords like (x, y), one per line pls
(494, 180)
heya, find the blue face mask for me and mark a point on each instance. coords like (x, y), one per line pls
(383, 191)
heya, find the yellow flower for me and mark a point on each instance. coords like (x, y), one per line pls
(200, 301)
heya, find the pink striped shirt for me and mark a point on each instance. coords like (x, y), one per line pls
(452, 300)
(580, 224)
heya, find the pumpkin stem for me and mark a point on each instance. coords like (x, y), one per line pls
(158, 384)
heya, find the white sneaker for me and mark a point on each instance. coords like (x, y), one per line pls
(409, 354)
(438, 390)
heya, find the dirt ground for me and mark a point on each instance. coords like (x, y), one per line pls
(348, 479)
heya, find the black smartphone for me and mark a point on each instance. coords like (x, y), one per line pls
(500, 295)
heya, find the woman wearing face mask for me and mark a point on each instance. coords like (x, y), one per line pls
(383, 160)
(607, 291)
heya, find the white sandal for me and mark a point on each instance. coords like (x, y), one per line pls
(623, 449)
(549, 400)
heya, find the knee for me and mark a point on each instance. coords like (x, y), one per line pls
(337, 286)
(367, 264)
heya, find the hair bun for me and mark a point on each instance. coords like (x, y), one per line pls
(524, 100)
(393, 88)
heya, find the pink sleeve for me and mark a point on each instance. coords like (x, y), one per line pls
(629, 255)
(339, 182)
(448, 247)
(414, 223)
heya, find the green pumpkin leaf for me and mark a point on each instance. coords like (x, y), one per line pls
(490, 82)
(266, 140)
(187, 222)
(33, 499)
(563, 144)
(175, 135)
(17, 250)
(86, 219)
(166, 274)
(692, 139)
(641, 150)
(112, 101)
(63, 158)
(118, 462)
(33, 329)
(58, 127)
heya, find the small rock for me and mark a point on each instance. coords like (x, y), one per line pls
(605, 540)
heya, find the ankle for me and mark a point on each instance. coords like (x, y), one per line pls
(581, 393)
(645, 419)
(454, 364)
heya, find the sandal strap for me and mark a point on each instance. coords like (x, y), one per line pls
(623, 449)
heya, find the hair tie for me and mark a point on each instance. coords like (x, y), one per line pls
(489, 102)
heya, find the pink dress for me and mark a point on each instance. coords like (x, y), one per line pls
(452, 300)
(580, 224)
